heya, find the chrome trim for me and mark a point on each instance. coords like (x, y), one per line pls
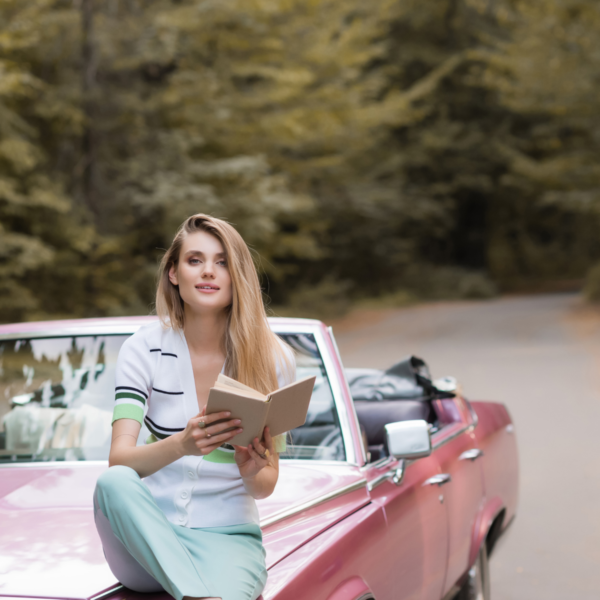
(313, 328)
(307, 462)
(74, 463)
(336, 390)
(123, 328)
(379, 480)
(382, 462)
(61, 464)
(340, 404)
(290, 512)
(396, 475)
(363, 456)
(471, 455)
(117, 588)
(437, 445)
(399, 473)
(440, 479)
(474, 414)
(72, 331)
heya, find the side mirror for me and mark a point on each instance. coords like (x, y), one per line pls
(408, 439)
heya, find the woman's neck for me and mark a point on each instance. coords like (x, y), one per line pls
(205, 333)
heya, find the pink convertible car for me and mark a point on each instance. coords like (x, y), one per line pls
(394, 489)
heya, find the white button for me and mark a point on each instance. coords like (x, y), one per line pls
(191, 474)
(184, 494)
(181, 518)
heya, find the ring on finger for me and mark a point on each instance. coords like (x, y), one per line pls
(207, 434)
(201, 424)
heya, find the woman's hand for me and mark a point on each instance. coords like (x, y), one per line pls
(255, 457)
(201, 436)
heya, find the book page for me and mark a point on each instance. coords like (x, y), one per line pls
(227, 383)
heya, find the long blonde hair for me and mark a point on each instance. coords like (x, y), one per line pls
(251, 348)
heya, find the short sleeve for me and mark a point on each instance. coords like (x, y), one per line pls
(133, 379)
(286, 374)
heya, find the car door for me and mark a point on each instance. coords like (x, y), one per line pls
(416, 544)
(461, 487)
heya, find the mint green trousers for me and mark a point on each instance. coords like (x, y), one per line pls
(147, 553)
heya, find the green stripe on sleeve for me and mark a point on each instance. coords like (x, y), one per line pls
(128, 411)
(130, 395)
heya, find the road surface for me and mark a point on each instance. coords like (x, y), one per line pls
(540, 355)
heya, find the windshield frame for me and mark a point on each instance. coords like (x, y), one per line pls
(113, 327)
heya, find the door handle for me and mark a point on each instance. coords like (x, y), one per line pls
(440, 479)
(473, 454)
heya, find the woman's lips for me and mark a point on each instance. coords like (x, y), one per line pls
(207, 289)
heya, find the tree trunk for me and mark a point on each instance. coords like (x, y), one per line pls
(89, 57)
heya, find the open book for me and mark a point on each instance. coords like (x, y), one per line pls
(282, 410)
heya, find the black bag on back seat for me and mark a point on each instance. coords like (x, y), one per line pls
(408, 379)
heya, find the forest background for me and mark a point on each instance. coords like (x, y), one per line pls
(393, 149)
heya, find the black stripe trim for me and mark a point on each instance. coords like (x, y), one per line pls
(160, 436)
(163, 353)
(147, 418)
(126, 387)
(169, 393)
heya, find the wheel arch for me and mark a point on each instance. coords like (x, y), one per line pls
(488, 527)
(354, 588)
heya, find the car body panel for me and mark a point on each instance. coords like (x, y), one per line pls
(49, 546)
(462, 497)
(48, 507)
(495, 434)
(415, 548)
(319, 568)
(338, 530)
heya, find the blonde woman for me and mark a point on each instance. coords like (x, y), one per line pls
(191, 526)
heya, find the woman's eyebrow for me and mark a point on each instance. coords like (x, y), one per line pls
(200, 253)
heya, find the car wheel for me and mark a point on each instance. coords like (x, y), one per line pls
(477, 585)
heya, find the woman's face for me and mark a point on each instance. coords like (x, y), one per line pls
(202, 274)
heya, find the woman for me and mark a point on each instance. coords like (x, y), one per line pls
(191, 527)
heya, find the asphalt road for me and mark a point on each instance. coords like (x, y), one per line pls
(540, 355)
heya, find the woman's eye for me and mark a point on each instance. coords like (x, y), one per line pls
(222, 263)
(194, 261)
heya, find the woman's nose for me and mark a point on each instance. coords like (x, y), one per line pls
(209, 270)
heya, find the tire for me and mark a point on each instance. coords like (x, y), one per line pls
(477, 585)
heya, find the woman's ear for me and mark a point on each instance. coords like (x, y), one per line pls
(173, 275)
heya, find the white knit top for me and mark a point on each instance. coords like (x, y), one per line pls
(155, 385)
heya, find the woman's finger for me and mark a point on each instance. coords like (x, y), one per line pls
(216, 417)
(219, 427)
(255, 455)
(218, 439)
(257, 452)
(268, 439)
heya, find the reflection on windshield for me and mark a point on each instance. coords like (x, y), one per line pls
(57, 396)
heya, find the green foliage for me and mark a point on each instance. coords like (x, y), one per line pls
(362, 149)
(591, 290)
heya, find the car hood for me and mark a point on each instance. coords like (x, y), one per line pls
(49, 547)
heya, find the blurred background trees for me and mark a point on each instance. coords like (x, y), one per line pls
(390, 147)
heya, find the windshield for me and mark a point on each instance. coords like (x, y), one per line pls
(57, 396)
